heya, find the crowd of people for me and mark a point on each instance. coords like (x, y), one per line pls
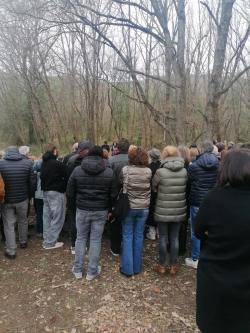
(204, 191)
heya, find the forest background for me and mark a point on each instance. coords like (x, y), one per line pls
(154, 71)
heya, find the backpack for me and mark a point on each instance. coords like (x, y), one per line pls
(2, 191)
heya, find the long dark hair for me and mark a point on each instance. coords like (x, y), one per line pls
(235, 168)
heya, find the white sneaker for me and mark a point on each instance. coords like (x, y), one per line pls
(76, 275)
(72, 250)
(92, 277)
(151, 234)
(191, 263)
(56, 246)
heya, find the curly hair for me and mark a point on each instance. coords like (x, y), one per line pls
(138, 156)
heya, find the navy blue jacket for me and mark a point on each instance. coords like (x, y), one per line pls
(18, 176)
(202, 175)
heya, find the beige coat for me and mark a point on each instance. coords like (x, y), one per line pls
(137, 182)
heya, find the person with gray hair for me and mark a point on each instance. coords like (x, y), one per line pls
(24, 151)
(202, 175)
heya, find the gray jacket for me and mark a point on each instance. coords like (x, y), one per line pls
(116, 163)
(170, 184)
(137, 182)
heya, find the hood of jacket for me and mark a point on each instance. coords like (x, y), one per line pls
(208, 161)
(173, 163)
(48, 156)
(12, 154)
(93, 165)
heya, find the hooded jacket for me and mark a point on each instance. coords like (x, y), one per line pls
(170, 183)
(91, 185)
(53, 174)
(17, 176)
(202, 175)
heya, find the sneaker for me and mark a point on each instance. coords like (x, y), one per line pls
(23, 245)
(10, 256)
(114, 254)
(151, 234)
(56, 246)
(90, 277)
(76, 275)
(191, 263)
(72, 250)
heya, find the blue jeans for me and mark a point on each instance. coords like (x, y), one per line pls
(53, 216)
(132, 241)
(89, 224)
(196, 244)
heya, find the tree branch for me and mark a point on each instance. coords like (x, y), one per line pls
(210, 13)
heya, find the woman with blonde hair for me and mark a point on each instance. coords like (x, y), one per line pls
(170, 184)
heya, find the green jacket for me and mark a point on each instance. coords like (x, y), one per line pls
(170, 184)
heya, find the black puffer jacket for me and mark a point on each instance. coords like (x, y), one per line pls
(91, 185)
(53, 174)
(202, 175)
(17, 176)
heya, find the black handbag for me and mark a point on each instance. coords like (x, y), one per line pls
(122, 206)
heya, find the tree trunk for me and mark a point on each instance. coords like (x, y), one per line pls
(212, 123)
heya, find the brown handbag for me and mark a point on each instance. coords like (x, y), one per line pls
(2, 191)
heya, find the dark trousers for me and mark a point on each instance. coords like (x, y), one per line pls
(183, 237)
(38, 203)
(115, 231)
(1, 228)
(71, 216)
(168, 234)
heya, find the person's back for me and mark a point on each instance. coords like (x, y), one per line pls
(53, 184)
(138, 185)
(18, 179)
(93, 181)
(222, 224)
(16, 172)
(53, 173)
(203, 175)
(91, 185)
(171, 179)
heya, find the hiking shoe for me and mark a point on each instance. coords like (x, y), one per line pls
(191, 263)
(56, 246)
(90, 277)
(174, 270)
(160, 269)
(77, 275)
(151, 234)
(10, 256)
(73, 252)
(23, 245)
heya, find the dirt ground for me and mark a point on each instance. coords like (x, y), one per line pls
(39, 294)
